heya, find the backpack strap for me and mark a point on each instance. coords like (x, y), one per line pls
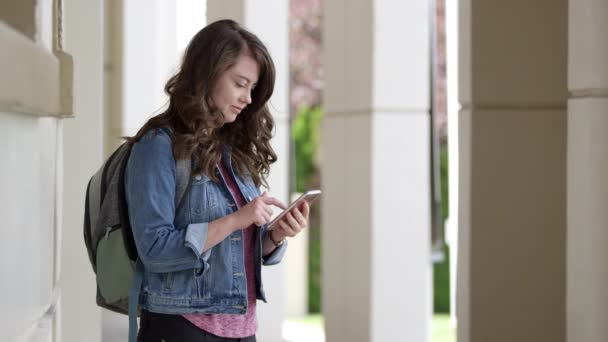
(183, 180)
(134, 292)
(183, 177)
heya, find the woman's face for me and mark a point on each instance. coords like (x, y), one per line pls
(232, 92)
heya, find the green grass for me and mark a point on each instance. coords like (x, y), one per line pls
(441, 329)
(312, 319)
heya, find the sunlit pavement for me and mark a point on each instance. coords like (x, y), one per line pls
(295, 330)
(301, 332)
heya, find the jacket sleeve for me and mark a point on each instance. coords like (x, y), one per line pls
(275, 256)
(150, 192)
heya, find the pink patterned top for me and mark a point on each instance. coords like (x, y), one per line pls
(227, 325)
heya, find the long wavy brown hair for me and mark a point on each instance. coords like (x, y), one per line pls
(197, 124)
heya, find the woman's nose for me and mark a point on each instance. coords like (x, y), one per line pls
(246, 98)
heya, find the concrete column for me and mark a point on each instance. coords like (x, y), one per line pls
(113, 81)
(149, 57)
(513, 128)
(143, 45)
(375, 171)
(451, 224)
(82, 155)
(268, 20)
(587, 299)
(296, 273)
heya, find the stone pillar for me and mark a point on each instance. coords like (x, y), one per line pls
(149, 57)
(376, 171)
(144, 40)
(513, 130)
(113, 54)
(587, 259)
(451, 224)
(82, 155)
(268, 20)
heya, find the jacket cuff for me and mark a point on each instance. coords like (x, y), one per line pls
(196, 236)
(275, 256)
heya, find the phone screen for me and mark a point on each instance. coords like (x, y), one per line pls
(308, 196)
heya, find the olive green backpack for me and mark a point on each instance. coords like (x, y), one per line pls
(107, 231)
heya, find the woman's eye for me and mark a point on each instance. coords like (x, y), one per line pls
(240, 85)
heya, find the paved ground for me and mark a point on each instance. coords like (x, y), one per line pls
(299, 332)
(115, 327)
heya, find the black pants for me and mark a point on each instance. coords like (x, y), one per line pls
(156, 327)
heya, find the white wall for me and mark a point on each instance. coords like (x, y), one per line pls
(27, 240)
(30, 151)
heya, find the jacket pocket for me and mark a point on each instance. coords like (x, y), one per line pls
(166, 282)
(203, 203)
(200, 279)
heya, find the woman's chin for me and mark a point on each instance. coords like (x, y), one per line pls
(230, 118)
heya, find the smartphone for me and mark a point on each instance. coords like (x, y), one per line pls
(309, 196)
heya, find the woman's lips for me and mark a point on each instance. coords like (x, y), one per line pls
(236, 109)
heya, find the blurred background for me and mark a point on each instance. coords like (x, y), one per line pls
(461, 148)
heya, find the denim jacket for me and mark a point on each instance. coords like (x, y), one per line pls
(177, 277)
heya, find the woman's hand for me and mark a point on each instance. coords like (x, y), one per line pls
(293, 222)
(258, 211)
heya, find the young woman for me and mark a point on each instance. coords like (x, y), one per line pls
(201, 258)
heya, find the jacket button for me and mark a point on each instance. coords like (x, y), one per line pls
(198, 177)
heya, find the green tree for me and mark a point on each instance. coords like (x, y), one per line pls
(306, 132)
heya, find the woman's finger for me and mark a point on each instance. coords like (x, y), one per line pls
(293, 231)
(287, 229)
(267, 217)
(268, 209)
(293, 224)
(273, 201)
(305, 209)
(300, 218)
(291, 220)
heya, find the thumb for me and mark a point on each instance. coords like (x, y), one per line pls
(264, 194)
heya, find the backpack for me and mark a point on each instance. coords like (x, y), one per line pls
(107, 230)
